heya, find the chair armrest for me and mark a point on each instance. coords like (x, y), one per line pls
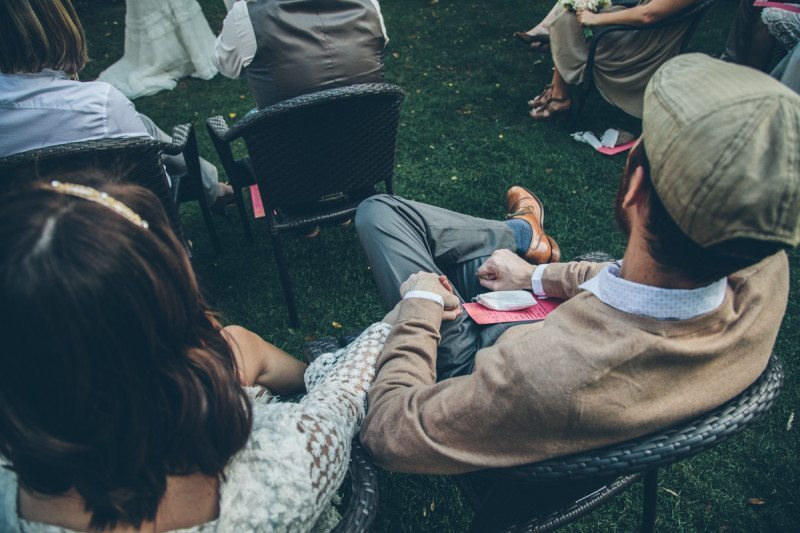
(180, 137)
(221, 139)
(218, 128)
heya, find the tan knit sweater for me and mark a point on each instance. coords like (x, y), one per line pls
(587, 376)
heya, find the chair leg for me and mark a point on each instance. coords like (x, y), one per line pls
(237, 196)
(286, 282)
(212, 231)
(650, 501)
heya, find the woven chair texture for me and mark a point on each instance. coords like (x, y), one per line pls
(314, 158)
(313, 146)
(134, 160)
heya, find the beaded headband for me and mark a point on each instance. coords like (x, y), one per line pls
(102, 198)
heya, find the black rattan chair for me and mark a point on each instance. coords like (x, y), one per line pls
(693, 12)
(132, 159)
(610, 470)
(314, 158)
(362, 506)
(189, 186)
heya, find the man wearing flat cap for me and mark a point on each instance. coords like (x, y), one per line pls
(709, 200)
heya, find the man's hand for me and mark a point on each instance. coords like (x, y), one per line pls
(505, 271)
(430, 282)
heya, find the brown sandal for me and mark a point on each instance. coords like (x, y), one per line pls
(548, 112)
(542, 98)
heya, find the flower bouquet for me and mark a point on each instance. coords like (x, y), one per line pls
(590, 5)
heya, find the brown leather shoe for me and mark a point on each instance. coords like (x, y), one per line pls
(523, 204)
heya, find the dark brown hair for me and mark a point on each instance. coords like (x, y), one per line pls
(675, 252)
(112, 375)
(40, 34)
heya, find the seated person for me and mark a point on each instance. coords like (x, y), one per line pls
(625, 61)
(122, 403)
(42, 103)
(288, 48)
(686, 322)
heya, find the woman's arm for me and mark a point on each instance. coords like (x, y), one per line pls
(636, 16)
(261, 363)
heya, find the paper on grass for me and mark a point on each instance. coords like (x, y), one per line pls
(483, 315)
(606, 145)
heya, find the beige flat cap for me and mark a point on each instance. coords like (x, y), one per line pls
(724, 148)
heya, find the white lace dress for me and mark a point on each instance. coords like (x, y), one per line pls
(165, 40)
(295, 459)
(783, 25)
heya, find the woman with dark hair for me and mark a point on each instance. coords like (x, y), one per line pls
(121, 398)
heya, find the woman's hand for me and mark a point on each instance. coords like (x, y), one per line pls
(430, 282)
(588, 18)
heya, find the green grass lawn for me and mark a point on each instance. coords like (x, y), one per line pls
(465, 137)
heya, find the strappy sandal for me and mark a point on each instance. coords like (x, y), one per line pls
(548, 112)
(542, 98)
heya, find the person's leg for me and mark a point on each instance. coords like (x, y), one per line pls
(543, 28)
(401, 237)
(739, 36)
(176, 164)
(554, 101)
(759, 54)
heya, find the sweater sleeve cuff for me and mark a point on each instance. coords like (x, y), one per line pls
(421, 309)
(536, 280)
(427, 295)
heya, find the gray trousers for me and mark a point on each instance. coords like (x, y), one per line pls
(401, 237)
(176, 165)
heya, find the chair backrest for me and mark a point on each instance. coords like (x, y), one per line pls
(320, 144)
(663, 448)
(136, 160)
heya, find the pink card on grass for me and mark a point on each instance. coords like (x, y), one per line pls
(483, 315)
(616, 149)
(255, 198)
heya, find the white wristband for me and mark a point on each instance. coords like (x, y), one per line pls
(536, 280)
(425, 295)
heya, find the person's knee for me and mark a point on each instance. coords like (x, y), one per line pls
(372, 211)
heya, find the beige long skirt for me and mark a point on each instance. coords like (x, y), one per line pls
(624, 63)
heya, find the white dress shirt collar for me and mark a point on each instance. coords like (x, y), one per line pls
(654, 302)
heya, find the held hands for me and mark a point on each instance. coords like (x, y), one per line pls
(429, 282)
(505, 271)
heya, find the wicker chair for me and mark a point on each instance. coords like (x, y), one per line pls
(134, 159)
(693, 12)
(363, 503)
(610, 470)
(314, 158)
